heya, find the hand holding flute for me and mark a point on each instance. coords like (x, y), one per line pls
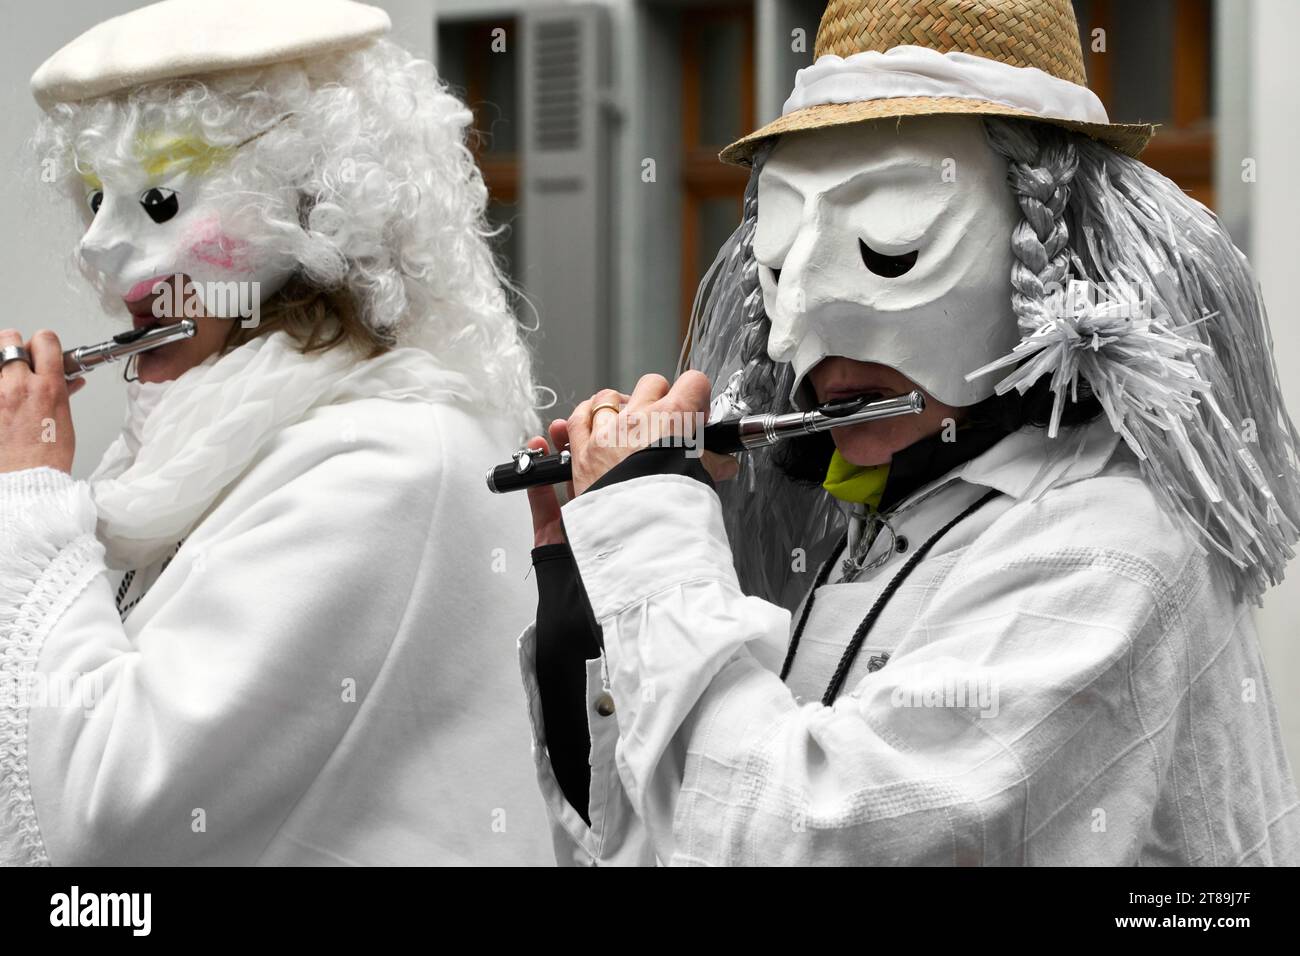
(37, 379)
(531, 466)
(35, 415)
(593, 445)
(594, 442)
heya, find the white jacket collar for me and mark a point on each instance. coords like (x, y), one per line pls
(1027, 463)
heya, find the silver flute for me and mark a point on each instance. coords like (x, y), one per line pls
(529, 468)
(86, 358)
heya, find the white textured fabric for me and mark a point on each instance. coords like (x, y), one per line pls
(184, 440)
(178, 38)
(904, 71)
(1067, 682)
(318, 675)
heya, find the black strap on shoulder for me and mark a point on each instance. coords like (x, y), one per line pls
(822, 575)
(860, 635)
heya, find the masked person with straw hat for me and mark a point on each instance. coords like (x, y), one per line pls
(1014, 629)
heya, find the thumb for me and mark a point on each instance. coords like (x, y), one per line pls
(720, 467)
(545, 506)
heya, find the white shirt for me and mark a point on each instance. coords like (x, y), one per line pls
(1068, 682)
(317, 677)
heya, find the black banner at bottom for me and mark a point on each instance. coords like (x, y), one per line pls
(218, 906)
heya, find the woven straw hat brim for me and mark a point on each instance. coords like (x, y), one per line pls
(1128, 138)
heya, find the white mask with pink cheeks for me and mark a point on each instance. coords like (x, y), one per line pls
(889, 243)
(169, 215)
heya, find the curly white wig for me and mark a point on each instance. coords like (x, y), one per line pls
(356, 166)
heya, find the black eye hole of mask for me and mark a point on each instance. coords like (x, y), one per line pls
(161, 204)
(891, 267)
(95, 200)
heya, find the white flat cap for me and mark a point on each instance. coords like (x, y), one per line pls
(178, 38)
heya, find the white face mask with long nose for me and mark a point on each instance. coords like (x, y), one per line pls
(889, 243)
(167, 216)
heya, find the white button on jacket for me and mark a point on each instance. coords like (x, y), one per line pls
(1069, 681)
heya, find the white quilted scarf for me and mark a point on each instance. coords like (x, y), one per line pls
(184, 441)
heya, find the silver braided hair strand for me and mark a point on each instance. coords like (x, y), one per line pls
(777, 527)
(1176, 347)
(1039, 172)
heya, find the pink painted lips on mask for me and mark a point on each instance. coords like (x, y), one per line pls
(143, 289)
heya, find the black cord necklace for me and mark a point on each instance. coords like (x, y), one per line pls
(850, 654)
(129, 577)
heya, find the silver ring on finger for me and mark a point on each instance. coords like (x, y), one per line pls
(15, 353)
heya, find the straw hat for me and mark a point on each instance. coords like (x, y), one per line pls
(886, 58)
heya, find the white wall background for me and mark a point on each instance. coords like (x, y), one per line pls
(43, 288)
(1273, 72)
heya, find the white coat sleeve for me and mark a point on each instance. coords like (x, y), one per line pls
(616, 836)
(192, 741)
(1062, 645)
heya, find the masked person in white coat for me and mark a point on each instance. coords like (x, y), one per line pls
(1021, 626)
(267, 629)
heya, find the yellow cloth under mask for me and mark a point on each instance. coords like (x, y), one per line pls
(860, 484)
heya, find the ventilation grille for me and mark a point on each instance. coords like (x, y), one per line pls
(557, 95)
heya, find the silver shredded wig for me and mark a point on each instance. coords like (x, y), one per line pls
(1183, 369)
(356, 166)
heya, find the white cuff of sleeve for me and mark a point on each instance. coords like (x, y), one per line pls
(42, 510)
(23, 487)
(641, 536)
